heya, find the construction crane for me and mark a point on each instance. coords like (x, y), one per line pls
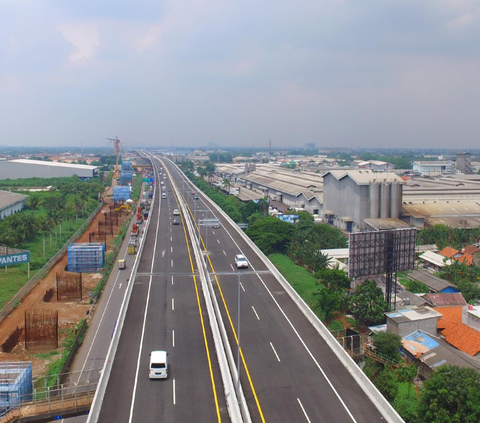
(116, 148)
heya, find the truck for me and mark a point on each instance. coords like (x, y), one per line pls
(121, 264)
(132, 246)
(134, 232)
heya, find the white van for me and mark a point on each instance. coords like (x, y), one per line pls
(164, 195)
(158, 368)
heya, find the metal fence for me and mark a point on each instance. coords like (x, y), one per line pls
(25, 289)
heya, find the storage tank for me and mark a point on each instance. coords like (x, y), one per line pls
(385, 201)
(396, 200)
(374, 200)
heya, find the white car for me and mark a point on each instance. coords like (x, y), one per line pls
(240, 261)
(176, 212)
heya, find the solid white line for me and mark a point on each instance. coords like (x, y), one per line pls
(258, 318)
(303, 409)
(174, 398)
(173, 304)
(144, 324)
(275, 352)
(242, 286)
(173, 338)
(299, 337)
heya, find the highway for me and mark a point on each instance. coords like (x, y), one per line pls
(288, 372)
(166, 312)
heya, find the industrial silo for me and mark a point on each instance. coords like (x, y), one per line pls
(396, 200)
(385, 201)
(374, 200)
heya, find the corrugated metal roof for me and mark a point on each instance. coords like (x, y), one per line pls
(43, 163)
(433, 282)
(366, 177)
(8, 198)
(435, 259)
(440, 299)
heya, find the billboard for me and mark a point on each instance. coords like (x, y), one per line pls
(17, 258)
(379, 252)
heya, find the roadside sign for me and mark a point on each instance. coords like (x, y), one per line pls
(17, 258)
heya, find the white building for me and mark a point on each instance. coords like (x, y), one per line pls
(11, 203)
(23, 168)
(433, 168)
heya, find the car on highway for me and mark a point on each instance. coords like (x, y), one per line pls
(176, 212)
(158, 367)
(169, 188)
(241, 261)
(175, 222)
(193, 192)
(195, 197)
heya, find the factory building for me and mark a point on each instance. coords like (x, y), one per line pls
(433, 168)
(22, 168)
(11, 203)
(464, 163)
(350, 197)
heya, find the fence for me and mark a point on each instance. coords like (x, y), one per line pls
(22, 292)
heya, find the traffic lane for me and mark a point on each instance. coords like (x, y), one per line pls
(355, 399)
(118, 396)
(272, 352)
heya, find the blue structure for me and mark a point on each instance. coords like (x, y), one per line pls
(125, 178)
(86, 257)
(15, 384)
(121, 193)
(127, 166)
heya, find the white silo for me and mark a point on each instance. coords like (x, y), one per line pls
(374, 200)
(385, 201)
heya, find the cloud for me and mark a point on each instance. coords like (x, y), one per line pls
(85, 39)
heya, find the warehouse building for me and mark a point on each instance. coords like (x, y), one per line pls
(11, 203)
(23, 168)
(350, 197)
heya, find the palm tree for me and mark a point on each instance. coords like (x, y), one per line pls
(227, 184)
(30, 225)
(33, 202)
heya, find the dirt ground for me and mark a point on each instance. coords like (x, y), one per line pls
(69, 312)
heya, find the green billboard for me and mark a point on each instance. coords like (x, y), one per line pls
(17, 258)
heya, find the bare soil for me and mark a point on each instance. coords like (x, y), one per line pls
(69, 312)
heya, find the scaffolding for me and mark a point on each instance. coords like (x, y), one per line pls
(126, 177)
(121, 194)
(86, 257)
(127, 165)
(15, 383)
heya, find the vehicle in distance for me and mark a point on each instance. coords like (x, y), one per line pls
(240, 261)
(169, 188)
(121, 264)
(195, 197)
(164, 195)
(193, 192)
(176, 212)
(175, 222)
(158, 367)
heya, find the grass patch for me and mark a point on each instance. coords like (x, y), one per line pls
(300, 279)
(350, 321)
(48, 354)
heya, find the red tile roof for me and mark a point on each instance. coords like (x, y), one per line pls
(448, 252)
(457, 333)
(470, 249)
(465, 258)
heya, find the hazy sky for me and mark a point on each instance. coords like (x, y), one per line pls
(386, 73)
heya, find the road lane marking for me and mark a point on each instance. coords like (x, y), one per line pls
(120, 286)
(213, 232)
(171, 249)
(173, 338)
(172, 280)
(253, 308)
(171, 262)
(275, 352)
(242, 286)
(171, 238)
(224, 252)
(144, 323)
(218, 241)
(174, 397)
(163, 253)
(233, 270)
(303, 409)
(173, 304)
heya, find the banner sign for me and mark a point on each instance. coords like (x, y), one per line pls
(18, 258)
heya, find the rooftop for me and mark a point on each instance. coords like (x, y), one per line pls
(448, 252)
(387, 223)
(433, 282)
(457, 333)
(8, 198)
(441, 299)
(411, 315)
(56, 164)
(435, 259)
(366, 177)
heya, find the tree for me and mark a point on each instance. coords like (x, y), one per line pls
(387, 383)
(328, 301)
(33, 202)
(367, 303)
(334, 279)
(188, 165)
(388, 344)
(270, 234)
(452, 394)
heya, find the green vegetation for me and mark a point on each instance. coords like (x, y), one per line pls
(388, 345)
(464, 277)
(367, 304)
(416, 287)
(445, 236)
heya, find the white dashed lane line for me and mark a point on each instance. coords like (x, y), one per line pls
(256, 314)
(275, 352)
